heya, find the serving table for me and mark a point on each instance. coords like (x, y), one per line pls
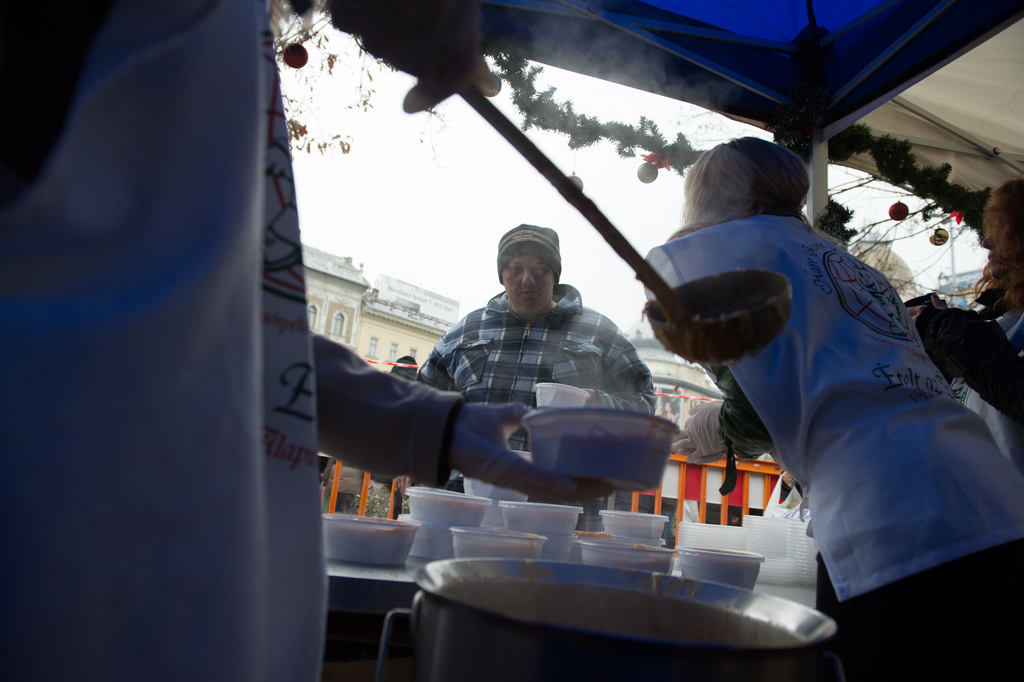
(360, 595)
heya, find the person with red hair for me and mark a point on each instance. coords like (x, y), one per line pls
(980, 352)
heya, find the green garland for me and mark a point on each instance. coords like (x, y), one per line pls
(791, 126)
(896, 164)
(540, 110)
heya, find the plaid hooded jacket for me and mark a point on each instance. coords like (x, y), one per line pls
(494, 356)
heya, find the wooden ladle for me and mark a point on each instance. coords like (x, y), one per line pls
(717, 320)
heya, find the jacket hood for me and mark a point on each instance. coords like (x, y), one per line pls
(567, 302)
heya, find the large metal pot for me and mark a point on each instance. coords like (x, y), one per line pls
(494, 620)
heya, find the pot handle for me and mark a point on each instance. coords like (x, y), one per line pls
(385, 637)
(837, 672)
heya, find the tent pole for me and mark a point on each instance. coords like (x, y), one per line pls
(817, 197)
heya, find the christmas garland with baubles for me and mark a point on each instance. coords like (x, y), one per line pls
(791, 126)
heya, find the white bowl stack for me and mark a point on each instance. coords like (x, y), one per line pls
(437, 511)
(789, 553)
(555, 522)
(767, 536)
(708, 536)
(803, 551)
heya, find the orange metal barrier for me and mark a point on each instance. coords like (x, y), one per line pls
(363, 497)
(693, 484)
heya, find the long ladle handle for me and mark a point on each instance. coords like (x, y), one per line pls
(671, 304)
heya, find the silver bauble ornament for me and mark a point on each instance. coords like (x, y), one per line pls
(647, 172)
(577, 181)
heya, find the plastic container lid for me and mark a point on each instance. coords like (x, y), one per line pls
(496, 543)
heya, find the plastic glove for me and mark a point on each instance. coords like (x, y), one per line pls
(438, 42)
(478, 450)
(699, 441)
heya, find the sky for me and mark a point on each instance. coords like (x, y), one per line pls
(426, 198)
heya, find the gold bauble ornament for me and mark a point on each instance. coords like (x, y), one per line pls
(939, 237)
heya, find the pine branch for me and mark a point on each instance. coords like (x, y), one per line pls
(791, 126)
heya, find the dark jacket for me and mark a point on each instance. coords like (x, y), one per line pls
(972, 346)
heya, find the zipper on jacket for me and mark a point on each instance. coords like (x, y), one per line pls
(519, 362)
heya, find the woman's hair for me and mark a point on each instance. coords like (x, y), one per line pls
(743, 178)
(1004, 227)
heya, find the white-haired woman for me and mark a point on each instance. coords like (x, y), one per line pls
(915, 512)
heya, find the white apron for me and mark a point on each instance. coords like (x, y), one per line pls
(155, 524)
(900, 477)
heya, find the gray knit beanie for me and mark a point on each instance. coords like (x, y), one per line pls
(537, 241)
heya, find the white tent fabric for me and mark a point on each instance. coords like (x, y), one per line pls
(963, 112)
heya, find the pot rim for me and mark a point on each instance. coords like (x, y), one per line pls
(727, 597)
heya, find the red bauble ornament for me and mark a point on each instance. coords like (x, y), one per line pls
(577, 181)
(899, 211)
(295, 56)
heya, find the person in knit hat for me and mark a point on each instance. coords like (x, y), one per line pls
(530, 257)
(534, 331)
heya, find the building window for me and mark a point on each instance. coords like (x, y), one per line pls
(338, 325)
(372, 350)
(393, 353)
(412, 353)
(311, 312)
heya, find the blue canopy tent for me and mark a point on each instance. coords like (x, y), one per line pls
(741, 58)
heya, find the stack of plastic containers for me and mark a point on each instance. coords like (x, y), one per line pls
(788, 551)
(802, 550)
(555, 522)
(708, 536)
(635, 542)
(437, 511)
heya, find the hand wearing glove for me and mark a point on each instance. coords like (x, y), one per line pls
(438, 42)
(478, 450)
(699, 441)
(958, 340)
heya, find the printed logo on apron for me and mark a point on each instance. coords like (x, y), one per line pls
(863, 293)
